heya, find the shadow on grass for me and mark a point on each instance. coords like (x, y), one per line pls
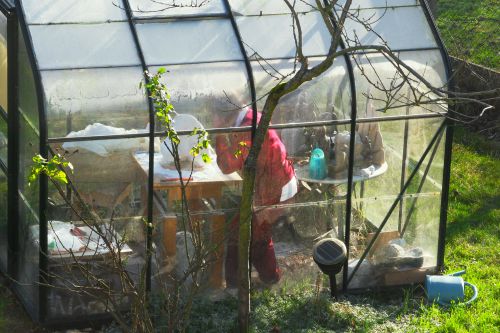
(303, 311)
(473, 221)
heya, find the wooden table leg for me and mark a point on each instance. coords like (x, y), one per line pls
(169, 241)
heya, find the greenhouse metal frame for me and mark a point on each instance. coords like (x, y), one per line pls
(37, 53)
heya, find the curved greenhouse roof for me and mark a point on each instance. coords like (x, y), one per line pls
(91, 55)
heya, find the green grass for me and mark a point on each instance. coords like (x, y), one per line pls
(473, 237)
(470, 30)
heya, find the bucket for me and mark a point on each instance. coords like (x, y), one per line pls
(445, 289)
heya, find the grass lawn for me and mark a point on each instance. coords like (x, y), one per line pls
(470, 30)
(473, 237)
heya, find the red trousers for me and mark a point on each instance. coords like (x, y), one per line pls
(262, 255)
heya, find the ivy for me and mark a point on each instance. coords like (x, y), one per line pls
(54, 168)
(165, 112)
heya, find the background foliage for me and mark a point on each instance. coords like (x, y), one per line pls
(470, 30)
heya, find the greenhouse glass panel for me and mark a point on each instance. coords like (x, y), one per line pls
(211, 194)
(386, 100)
(29, 138)
(377, 3)
(429, 64)
(203, 89)
(259, 43)
(148, 8)
(295, 203)
(377, 170)
(3, 141)
(264, 7)
(3, 221)
(421, 132)
(28, 103)
(29, 144)
(116, 195)
(28, 251)
(86, 45)
(3, 62)
(403, 251)
(77, 100)
(28, 224)
(194, 40)
(73, 11)
(393, 26)
(29, 199)
(324, 98)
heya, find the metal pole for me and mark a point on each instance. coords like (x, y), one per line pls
(350, 172)
(43, 179)
(444, 195)
(403, 166)
(149, 236)
(13, 145)
(248, 66)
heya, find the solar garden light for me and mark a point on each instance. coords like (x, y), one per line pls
(330, 255)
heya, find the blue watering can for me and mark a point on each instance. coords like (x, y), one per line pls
(445, 289)
(317, 164)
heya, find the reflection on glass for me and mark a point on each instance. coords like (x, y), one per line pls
(372, 70)
(28, 255)
(376, 3)
(148, 8)
(395, 27)
(29, 204)
(264, 7)
(259, 43)
(61, 46)
(73, 11)
(399, 254)
(327, 97)
(194, 40)
(421, 132)
(28, 102)
(102, 211)
(79, 98)
(205, 89)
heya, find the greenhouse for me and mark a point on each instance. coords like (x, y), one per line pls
(72, 82)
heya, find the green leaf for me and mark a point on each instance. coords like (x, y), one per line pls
(206, 158)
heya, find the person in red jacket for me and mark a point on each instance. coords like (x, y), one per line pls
(275, 183)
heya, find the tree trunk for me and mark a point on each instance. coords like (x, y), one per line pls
(245, 233)
(245, 225)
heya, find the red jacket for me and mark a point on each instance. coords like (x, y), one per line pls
(274, 170)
